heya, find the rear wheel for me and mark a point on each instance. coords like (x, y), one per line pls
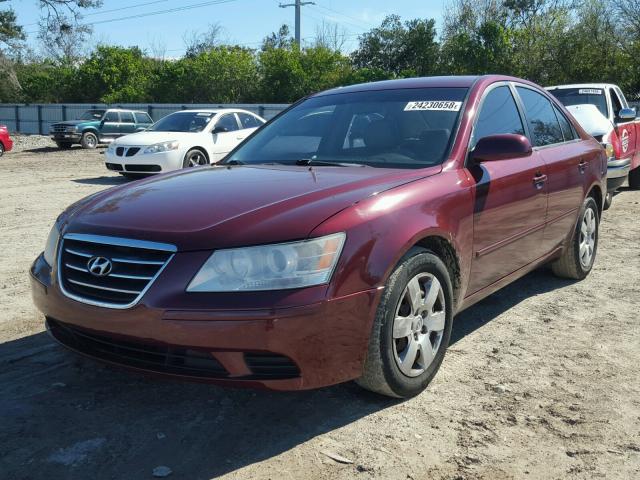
(412, 328)
(89, 140)
(580, 253)
(64, 145)
(634, 178)
(195, 158)
(1, 149)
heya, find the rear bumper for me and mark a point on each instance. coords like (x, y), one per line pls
(7, 143)
(617, 171)
(313, 345)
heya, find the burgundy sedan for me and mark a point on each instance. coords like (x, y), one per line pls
(337, 243)
(6, 144)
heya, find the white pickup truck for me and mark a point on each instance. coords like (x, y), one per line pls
(612, 122)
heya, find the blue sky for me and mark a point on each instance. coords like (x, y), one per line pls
(244, 21)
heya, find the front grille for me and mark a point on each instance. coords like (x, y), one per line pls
(114, 166)
(271, 366)
(143, 168)
(127, 151)
(134, 265)
(58, 128)
(134, 353)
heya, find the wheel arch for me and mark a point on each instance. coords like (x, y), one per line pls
(202, 149)
(596, 193)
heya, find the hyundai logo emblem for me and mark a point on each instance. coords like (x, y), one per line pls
(99, 266)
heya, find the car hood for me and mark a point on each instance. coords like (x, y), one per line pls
(142, 139)
(75, 122)
(217, 207)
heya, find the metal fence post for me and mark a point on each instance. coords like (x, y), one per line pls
(150, 110)
(64, 112)
(261, 111)
(17, 115)
(39, 110)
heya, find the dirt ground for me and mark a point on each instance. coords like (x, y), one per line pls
(541, 381)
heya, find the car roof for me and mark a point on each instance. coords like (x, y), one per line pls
(583, 85)
(419, 82)
(214, 110)
(120, 110)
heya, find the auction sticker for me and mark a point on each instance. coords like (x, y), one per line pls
(625, 140)
(590, 91)
(441, 105)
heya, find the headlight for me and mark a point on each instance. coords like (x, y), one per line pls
(270, 267)
(72, 129)
(52, 244)
(608, 148)
(162, 147)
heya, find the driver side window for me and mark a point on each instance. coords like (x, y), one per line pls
(227, 122)
(498, 115)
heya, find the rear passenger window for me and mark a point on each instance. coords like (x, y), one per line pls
(126, 117)
(565, 126)
(498, 115)
(228, 122)
(143, 118)
(248, 121)
(543, 123)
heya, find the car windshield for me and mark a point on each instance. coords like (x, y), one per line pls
(582, 96)
(92, 115)
(183, 122)
(403, 128)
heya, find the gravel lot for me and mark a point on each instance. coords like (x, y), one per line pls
(541, 380)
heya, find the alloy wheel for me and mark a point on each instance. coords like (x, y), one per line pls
(197, 159)
(419, 324)
(588, 229)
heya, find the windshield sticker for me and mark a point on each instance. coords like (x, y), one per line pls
(442, 105)
(590, 91)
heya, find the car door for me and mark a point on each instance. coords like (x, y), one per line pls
(510, 203)
(127, 123)
(226, 136)
(566, 157)
(626, 129)
(110, 125)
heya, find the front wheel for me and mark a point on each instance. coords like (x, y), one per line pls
(195, 158)
(634, 179)
(412, 328)
(580, 252)
(89, 140)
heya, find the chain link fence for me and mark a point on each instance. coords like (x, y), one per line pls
(37, 118)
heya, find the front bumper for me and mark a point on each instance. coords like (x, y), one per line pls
(143, 163)
(617, 171)
(298, 347)
(65, 136)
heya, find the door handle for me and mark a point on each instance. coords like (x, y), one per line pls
(582, 166)
(539, 180)
(239, 138)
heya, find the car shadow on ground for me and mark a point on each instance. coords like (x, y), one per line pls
(65, 416)
(119, 180)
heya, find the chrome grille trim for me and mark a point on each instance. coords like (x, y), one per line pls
(105, 241)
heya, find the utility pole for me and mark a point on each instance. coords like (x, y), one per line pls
(298, 4)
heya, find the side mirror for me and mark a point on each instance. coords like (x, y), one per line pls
(501, 147)
(627, 113)
(219, 130)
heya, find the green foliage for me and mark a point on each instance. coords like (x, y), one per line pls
(546, 41)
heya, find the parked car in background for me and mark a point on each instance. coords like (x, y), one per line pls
(98, 126)
(621, 137)
(336, 243)
(6, 144)
(189, 138)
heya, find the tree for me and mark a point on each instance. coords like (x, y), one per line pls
(280, 39)
(197, 43)
(330, 36)
(402, 49)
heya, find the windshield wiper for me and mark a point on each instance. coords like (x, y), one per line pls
(234, 162)
(325, 163)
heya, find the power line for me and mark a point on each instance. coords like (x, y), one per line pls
(361, 22)
(157, 12)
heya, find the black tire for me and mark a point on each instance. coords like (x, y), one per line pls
(89, 140)
(64, 145)
(1, 149)
(634, 179)
(608, 200)
(382, 373)
(570, 264)
(195, 155)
